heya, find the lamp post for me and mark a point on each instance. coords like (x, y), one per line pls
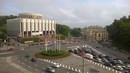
(83, 64)
(46, 43)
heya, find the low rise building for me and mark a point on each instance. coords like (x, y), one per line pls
(95, 33)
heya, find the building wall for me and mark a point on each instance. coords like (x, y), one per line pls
(95, 34)
(26, 27)
(13, 27)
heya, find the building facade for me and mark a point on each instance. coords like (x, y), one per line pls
(28, 25)
(95, 33)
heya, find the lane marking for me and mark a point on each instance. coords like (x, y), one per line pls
(8, 60)
(3, 53)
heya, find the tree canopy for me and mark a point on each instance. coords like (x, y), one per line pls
(62, 29)
(119, 32)
(3, 19)
(76, 32)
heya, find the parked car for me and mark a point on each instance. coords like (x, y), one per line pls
(76, 52)
(80, 50)
(97, 59)
(55, 65)
(33, 59)
(118, 61)
(50, 69)
(108, 58)
(88, 56)
(80, 54)
(108, 64)
(100, 56)
(71, 50)
(126, 66)
(118, 67)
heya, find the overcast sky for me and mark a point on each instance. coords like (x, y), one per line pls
(75, 13)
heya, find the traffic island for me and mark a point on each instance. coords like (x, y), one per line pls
(52, 54)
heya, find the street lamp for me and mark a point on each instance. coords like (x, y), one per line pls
(83, 68)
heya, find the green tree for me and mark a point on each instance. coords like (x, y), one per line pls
(62, 29)
(119, 32)
(76, 32)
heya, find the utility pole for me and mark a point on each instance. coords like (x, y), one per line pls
(83, 64)
(59, 42)
(46, 43)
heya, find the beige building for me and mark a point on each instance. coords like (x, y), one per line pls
(95, 33)
(29, 24)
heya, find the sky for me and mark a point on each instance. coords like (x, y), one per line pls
(74, 13)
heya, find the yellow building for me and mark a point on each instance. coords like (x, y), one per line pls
(95, 33)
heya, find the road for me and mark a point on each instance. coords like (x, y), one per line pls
(18, 57)
(39, 66)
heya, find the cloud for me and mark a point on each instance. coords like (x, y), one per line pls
(75, 13)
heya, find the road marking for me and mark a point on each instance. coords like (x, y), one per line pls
(8, 60)
(3, 53)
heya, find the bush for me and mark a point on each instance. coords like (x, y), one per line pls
(34, 39)
(52, 54)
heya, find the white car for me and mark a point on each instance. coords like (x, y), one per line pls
(55, 65)
(117, 67)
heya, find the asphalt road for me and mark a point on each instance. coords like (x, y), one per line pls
(37, 67)
(18, 57)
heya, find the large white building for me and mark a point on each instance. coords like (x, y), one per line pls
(29, 24)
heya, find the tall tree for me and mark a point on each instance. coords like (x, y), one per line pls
(119, 32)
(62, 29)
(76, 32)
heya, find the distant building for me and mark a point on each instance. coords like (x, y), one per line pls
(29, 24)
(95, 33)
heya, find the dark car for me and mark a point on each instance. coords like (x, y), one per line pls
(100, 56)
(76, 52)
(33, 59)
(108, 64)
(71, 50)
(108, 58)
(50, 69)
(27, 56)
(80, 50)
